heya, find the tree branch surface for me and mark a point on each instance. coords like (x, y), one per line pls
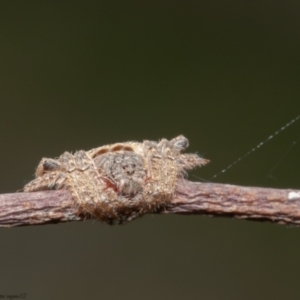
(261, 204)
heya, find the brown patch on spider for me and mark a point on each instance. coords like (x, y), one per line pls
(120, 182)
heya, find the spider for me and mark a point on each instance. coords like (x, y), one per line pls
(119, 182)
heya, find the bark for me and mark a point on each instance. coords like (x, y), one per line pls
(261, 204)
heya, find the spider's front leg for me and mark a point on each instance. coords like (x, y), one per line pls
(48, 175)
(47, 165)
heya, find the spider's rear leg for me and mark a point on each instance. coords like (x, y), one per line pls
(179, 143)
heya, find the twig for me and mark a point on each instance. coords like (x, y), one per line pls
(21, 209)
(261, 204)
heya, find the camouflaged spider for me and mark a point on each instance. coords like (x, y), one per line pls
(118, 182)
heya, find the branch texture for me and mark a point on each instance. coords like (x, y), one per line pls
(262, 204)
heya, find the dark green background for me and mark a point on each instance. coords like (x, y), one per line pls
(76, 75)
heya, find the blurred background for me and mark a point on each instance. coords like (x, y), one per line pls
(79, 74)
